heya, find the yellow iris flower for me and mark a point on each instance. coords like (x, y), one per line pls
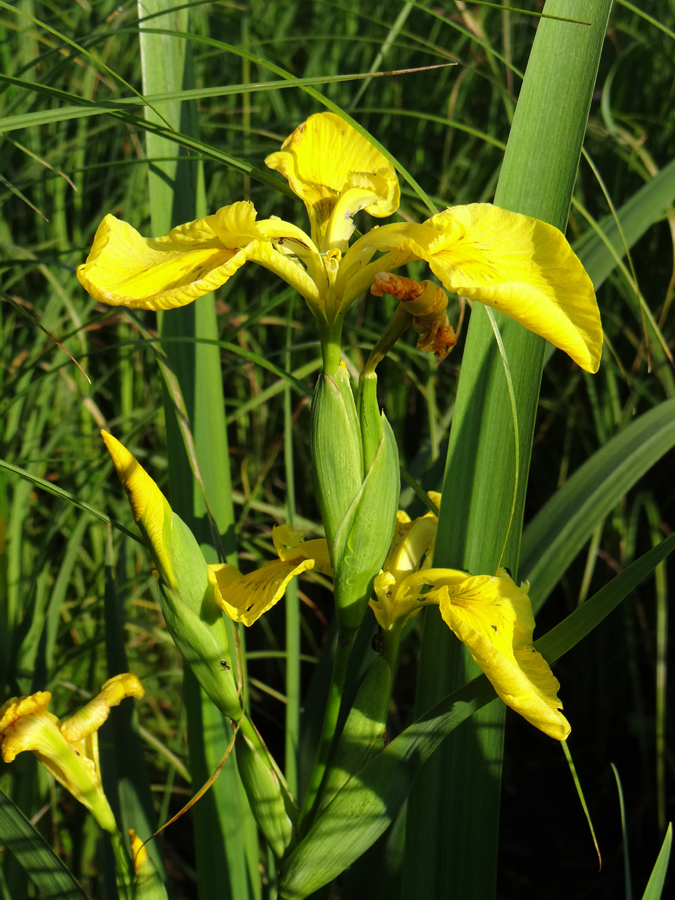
(511, 262)
(490, 614)
(244, 598)
(68, 749)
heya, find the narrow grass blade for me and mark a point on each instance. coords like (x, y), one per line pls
(562, 527)
(600, 250)
(126, 777)
(227, 856)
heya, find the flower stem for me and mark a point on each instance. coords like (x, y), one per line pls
(337, 682)
(331, 339)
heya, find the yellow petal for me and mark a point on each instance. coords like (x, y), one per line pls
(125, 269)
(244, 598)
(138, 852)
(513, 263)
(149, 505)
(493, 617)
(411, 549)
(18, 707)
(336, 172)
(522, 267)
(394, 603)
(89, 718)
(27, 725)
(289, 545)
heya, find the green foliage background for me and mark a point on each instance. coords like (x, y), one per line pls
(71, 152)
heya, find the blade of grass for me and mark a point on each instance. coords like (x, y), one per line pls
(561, 528)
(225, 837)
(27, 845)
(654, 889)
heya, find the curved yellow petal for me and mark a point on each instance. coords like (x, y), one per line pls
(395, 602)
(290, 545)
(522, 267)
(513, 263)
(17, 707)
(412, 548)
(244, 598)
(27, 725)
(493, 617)
(336, 172)
(139, 852)
(148, 504)
(125, 269)
(89, 718)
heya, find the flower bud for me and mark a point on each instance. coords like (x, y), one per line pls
(265, 795)
(187, 588)
(356, 464)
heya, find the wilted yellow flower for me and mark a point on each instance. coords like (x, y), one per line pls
(490, 614)
(68, 749)
(511, 262)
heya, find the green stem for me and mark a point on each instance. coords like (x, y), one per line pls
(124, 871)
(342, 652)
(292, 728)
(390, 641)
(331, 345)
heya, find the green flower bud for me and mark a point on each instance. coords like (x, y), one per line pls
(187, 587)
(356, 464)
(336, 450)
(269, 803)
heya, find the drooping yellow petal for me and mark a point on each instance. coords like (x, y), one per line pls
(89, 718)
(493, 617)
(149, 505)
(244, 598)
(518, 265)
(125, 269)
(523, 267)
(336, 172)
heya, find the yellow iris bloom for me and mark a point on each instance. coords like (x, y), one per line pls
(511, 262)
(244, 598)
(490, 614)
(68, 749)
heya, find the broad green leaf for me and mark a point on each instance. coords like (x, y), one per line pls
(43, 866)
(654, 889)
(562, 527)
(453, 813)
(227, 867)
(369, 802)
